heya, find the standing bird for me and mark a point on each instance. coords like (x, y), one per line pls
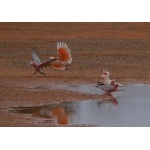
(38, 65)
(64, 57)
(105, 75)
(108, 88)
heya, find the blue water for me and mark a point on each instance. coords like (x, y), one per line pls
(128, 107)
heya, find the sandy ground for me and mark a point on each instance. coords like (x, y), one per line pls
(122, 48)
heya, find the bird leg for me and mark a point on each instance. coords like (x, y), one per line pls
(67, 67)
(43, 73)
(35, 73)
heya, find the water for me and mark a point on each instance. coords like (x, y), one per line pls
(129, 107)
(81, 88)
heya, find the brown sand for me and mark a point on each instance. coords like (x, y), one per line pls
(122, 48)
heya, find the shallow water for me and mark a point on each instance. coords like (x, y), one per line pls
(129, 106)
(89, 89)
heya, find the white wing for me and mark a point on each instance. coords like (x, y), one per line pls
(36, 58)
(105, 87)
(64, 53)
(58, 65)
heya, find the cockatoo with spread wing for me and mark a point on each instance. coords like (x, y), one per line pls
(64, 57)
(38, 65)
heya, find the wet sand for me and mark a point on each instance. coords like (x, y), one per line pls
(122, 48)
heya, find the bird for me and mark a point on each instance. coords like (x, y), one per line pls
(38, 65)
(108, 88)
(64, 57)
(105, 75)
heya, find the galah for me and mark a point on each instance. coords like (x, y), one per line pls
(38, 65)
(108, 88)
(105, 75)
(63, 58)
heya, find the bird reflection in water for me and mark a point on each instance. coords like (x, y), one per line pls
(109, 100)
(64, 113)
(57, 114)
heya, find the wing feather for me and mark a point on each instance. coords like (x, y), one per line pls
(36, 58)
(105, 87)
(64, 53)
(46, 63)
(58, 65)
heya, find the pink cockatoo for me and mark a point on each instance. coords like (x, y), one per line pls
(60, 62)
(38, 65)
(105, 75)
(108, 88)
(63, 58)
